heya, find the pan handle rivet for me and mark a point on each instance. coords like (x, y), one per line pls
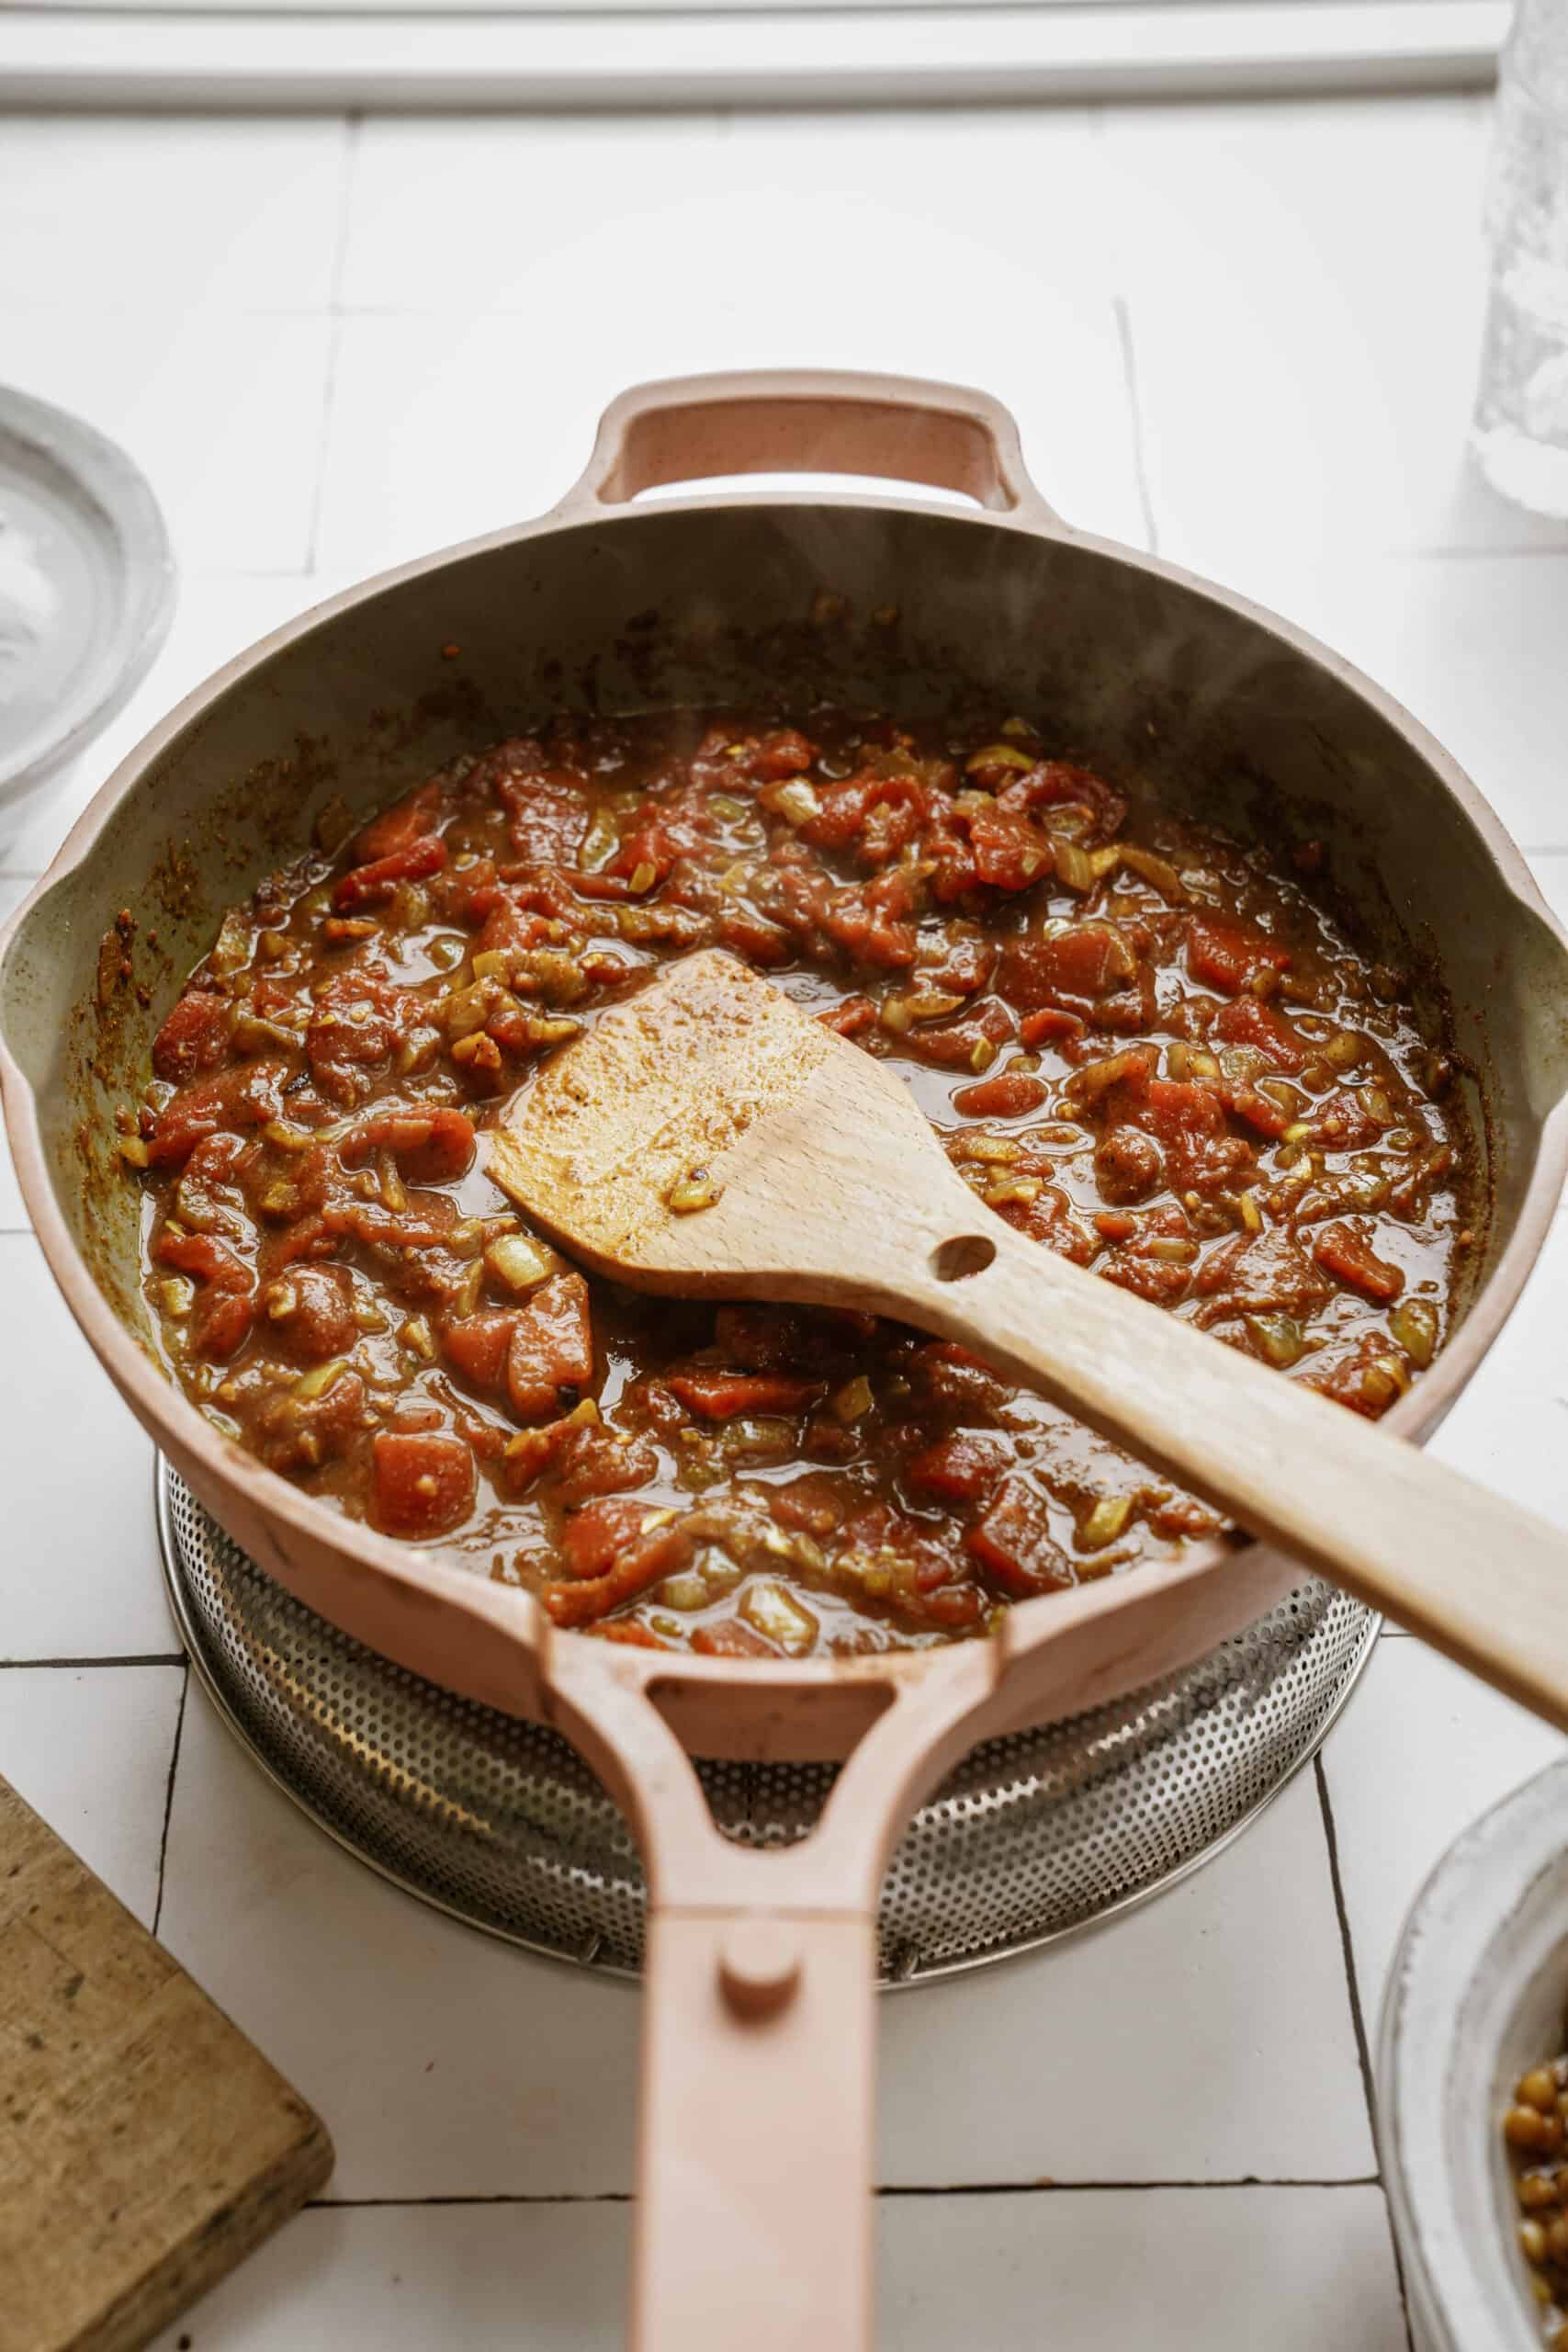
(759, 1965)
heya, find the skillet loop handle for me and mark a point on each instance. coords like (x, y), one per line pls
(818, 421)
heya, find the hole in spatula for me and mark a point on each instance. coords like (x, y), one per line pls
(967, 1253)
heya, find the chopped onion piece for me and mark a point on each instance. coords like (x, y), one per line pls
(777, 1614)
(1414, 1325)
(998, 755)
(695, 1190)
(853, 1400)
(1279, 1337)
(1105, 1521)
(1074, 865)
(795, 800)
(1157, 870)
(520, 1263)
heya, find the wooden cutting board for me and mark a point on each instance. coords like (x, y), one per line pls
(146, 2145)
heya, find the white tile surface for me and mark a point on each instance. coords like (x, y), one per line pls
(90, 1751)
(222, 413)
(130, 210)
(447, 426)
(457, 215)
(1421, 1751)
(1191, 2269)
(461, 399)
(217, 615)
(1150, 2051)
(1307, 287)
(748, 207)
(445, 2063)
(79, 1574)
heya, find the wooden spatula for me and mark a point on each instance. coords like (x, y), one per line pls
(709, 1135)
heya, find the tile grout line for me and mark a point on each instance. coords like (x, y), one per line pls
(353, 125)
(890, 2191)
(169, 1796)
(1128, 350)
(1363, 2052)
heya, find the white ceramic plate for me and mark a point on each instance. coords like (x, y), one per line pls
(86, 590)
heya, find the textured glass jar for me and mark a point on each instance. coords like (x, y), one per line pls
(1521, 415)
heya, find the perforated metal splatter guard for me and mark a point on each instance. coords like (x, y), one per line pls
(502, 1822)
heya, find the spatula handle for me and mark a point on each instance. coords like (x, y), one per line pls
(1469, 1571)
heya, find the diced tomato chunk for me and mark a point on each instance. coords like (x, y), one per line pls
(598, 1461)
(480, 1344)
(881, 813)
(1014, 1544)
(1068, 968)
(963, 1044)
(1009, 853)
(959, 1468)
(1365, 1377)
(1183, 1107)
(783, 752)
(629, 1633)
(1050, 1027)
(310, 1309)
(195, 1036)
(1260, 1110)
(1249, 1022)
(1263, 1273)
(423, 1483)
(508, 926)
(301, 1433)
(221, 1319)
(718, 1396)
(645, 1561)
(855, 1014)
(551, 1350)
(247, 1095)
(1011, 1094)
(1055, 783)
(431, 1146)
(549, 814)
(592, 1536)
(1341, 1252)
(368, 885)
(1223, 957)
(408, 820)
(732, 1638)
(1155, 1261)
(226, 1303)
(810, 1503)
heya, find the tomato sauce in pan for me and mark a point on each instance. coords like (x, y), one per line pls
(1143, 1045)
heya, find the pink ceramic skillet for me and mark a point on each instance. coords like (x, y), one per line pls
(754, 2218)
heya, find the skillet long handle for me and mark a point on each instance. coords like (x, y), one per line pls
(754, 2205)
(754, 2222)
(1469, 1571)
